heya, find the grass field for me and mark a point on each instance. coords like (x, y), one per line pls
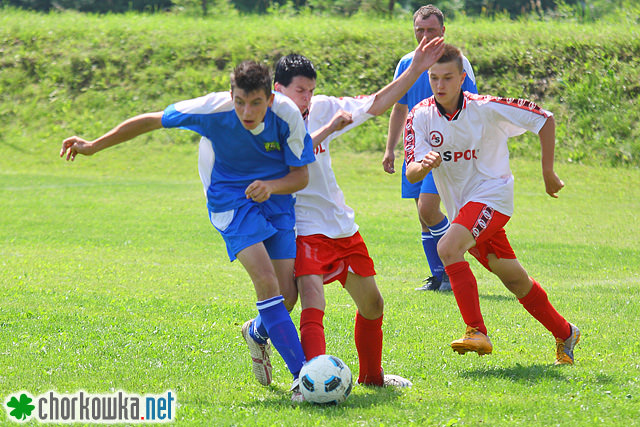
(113, 279)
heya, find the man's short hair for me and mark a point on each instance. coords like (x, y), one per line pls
(251, 76)
(426, 11)
(451, 54)
(291, 66)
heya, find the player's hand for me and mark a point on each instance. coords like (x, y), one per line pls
(388, 161)
(340, 120)
(427, 54)
(258, 191)
(74, 145)
(431, 160)
(552, 183)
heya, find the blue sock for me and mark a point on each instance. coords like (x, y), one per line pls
(283, 333)
(437, 231)
(431, 251)
(258, 331)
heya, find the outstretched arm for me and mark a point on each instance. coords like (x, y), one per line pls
(125, 131)
(547, 136)
(426, 54)
(297, 178)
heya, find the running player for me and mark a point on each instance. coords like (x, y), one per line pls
(261, 150)
(463, 137)
(329, 245)
(428, 21)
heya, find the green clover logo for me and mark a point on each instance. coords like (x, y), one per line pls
(22, 408)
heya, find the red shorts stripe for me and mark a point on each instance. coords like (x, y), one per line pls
(487, 227)
(332, 258)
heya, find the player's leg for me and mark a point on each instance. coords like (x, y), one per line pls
(412, 191)
(437, 225)
(535, 300)
(368, 327)
(471, 229)
(311, 288)
(284, 273)
(273, 313)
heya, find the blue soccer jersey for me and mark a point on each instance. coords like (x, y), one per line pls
(421, 89)
(235, 156)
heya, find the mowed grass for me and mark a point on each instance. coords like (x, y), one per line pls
(112, 279)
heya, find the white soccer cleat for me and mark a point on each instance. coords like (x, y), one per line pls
(260, 356)
(396, 381)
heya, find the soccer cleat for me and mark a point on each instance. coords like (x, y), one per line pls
(296, 393)
(396, 381)
(445, 284)
(473, 340)
(430, 284)
(259, 355)
(564, 348)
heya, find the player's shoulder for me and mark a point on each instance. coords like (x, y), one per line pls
(490, 101)
(285, 108)
(207, 104)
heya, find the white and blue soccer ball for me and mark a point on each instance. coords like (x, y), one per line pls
(325, 379)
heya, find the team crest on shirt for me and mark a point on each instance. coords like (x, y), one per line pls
(435, 138)
(272, 146)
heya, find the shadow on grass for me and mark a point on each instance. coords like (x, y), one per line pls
(529, 374)
(360, 397)
(494, 297)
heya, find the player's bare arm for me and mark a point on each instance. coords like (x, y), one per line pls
(125, 131)
(397, 120)
(426, 54)
(553, 184)
(339, 121)
(297, 178)
(416, 171)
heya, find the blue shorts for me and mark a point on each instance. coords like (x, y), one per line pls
(412, 191)
(271, 222)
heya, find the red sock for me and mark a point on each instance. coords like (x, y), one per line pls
(465, 289)
(368, 337)
(537, 304)
(312, 333)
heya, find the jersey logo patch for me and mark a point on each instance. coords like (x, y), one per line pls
(272, 146)
(435, 138)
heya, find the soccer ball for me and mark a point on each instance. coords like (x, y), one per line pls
(325, 379)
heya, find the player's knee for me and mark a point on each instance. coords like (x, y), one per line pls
(373, 308)
(448, 251)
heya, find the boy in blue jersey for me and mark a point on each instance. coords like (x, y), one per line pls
(428, 22)
(254, 157)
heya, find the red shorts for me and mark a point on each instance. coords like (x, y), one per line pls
(332, 258)
(487, 226)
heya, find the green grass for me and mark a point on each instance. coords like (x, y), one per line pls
(112, 278)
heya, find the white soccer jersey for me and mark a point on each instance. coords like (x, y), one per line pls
(320, 206)
(473, 146)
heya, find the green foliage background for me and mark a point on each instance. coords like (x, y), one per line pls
(69, 73)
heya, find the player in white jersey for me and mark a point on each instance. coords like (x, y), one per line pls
(428, 21)
(255, 156)
(329, 244)
(463, 137)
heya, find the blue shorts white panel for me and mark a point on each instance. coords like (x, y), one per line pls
(412, 191)
(271, 222)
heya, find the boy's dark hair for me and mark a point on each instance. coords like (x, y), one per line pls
(451, 54)
(426, 11)
(291, 66)
(251, 76)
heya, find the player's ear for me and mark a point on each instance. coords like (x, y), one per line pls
(270, 101)
(277, 86)
(464, 76)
